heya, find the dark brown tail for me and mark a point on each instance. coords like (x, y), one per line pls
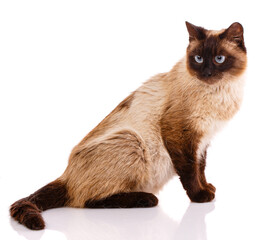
(27, 211)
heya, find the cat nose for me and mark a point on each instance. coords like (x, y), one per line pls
(207, 72)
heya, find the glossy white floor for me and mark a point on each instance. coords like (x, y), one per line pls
(244, 209)
(66, 65)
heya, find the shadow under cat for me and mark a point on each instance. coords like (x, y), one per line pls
(121, 224)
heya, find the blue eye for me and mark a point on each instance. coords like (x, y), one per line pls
(199, 59)
(220, 59)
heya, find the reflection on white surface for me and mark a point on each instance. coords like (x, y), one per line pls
(120, 224)
(193, 226)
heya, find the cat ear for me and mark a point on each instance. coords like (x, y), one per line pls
(233, 33)
(195, 33)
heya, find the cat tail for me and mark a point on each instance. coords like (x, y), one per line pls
(27, 211)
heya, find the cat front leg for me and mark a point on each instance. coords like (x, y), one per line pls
(183, 143)
(192, 177)
(202, 166)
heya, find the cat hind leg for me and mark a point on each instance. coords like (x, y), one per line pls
(124, 200)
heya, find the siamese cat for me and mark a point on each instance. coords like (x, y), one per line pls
(161, 129)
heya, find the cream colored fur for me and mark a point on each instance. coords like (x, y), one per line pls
(129, 154)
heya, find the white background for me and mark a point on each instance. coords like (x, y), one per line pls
(64, 65)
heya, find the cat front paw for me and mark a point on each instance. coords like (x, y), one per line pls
(203, 195)
(211, 187)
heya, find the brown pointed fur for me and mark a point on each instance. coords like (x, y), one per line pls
(162, 129)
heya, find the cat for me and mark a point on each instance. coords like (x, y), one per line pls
(161, 129)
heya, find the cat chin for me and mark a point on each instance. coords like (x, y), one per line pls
(210, 80)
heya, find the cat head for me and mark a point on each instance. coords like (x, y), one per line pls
(214, 55)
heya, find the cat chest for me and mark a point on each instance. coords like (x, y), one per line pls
(219, 104)
(213, 111)
(210, 129)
